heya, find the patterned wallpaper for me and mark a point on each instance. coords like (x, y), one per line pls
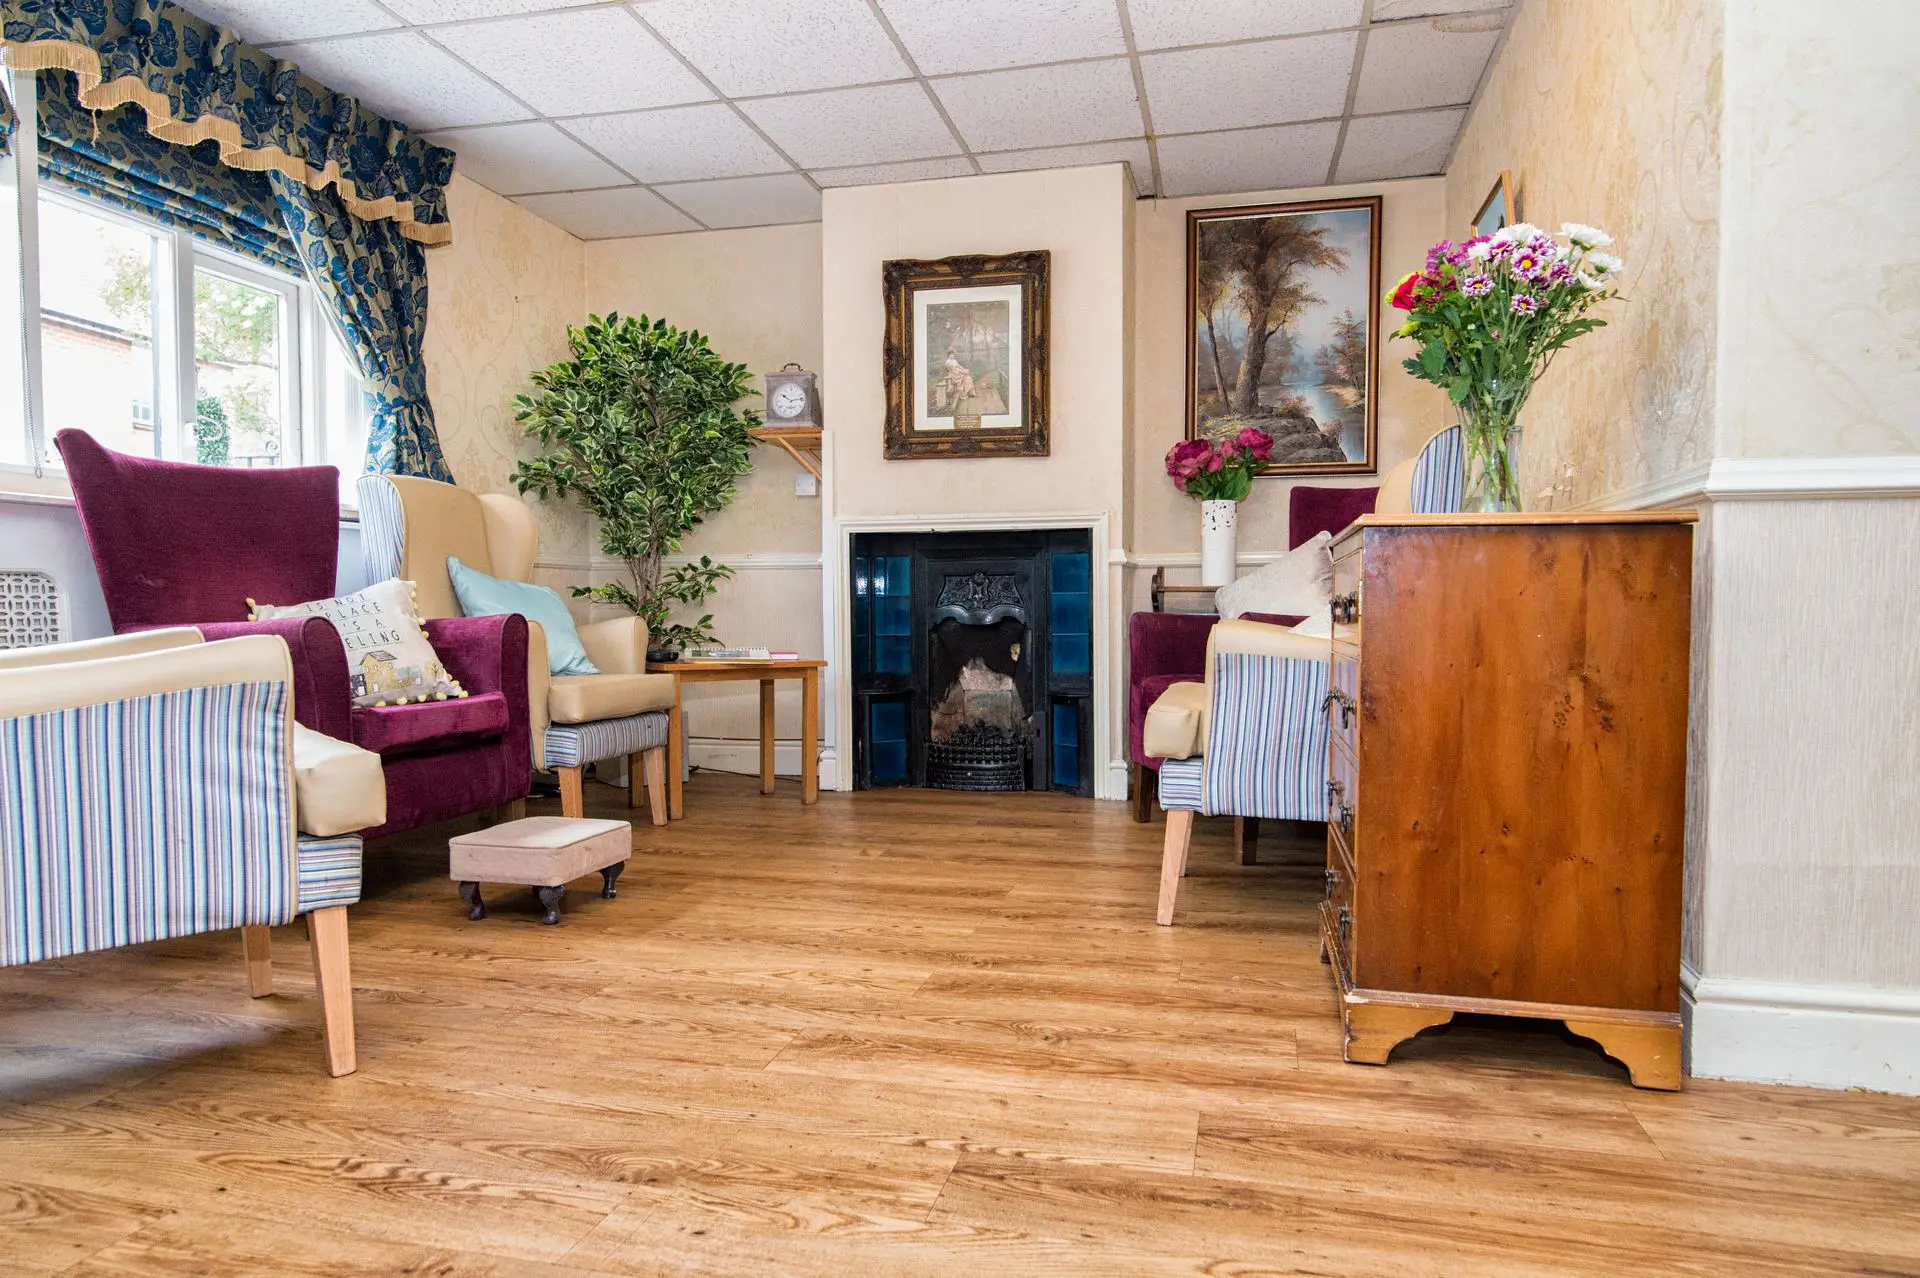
(1608, 112)
(501, 297)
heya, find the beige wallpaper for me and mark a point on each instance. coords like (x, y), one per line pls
(1163, 521)
(1820, 301)
(1608, 112)
(500, 299)
(756, 294)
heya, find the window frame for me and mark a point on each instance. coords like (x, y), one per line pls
(308, 396)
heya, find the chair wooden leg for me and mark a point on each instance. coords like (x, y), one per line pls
(257, 941)
(573, 791)
(654, 761)
(1246, 837)
(513, 811)
(633, 779)
(1143, 787)
(1173, 861)
(327, 932)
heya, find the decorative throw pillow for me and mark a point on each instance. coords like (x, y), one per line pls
(388, 657)
(484, 596)
(1298, 584)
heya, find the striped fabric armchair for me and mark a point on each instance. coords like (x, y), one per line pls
(1251, 741)
(156, 786)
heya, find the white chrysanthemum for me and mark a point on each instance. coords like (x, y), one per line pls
(1587, 281)
(1518, 233)
(1480, 252)
(1605, 263)
(1587, 237)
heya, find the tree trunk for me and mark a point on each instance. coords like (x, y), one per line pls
(1254, 362)
(1219, 365)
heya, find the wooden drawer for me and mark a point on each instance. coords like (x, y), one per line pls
(1336, 911)
(1343, 701)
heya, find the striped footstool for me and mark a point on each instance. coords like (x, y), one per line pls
(642, 738)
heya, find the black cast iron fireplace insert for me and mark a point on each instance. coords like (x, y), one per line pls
(972, 663)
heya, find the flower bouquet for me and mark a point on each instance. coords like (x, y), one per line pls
(1489, 315)
(1220, 473)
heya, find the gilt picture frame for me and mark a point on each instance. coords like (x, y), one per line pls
(1499, 209)
(1283, 330)
(965, 356)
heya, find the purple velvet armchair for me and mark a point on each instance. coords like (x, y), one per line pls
(178, 545)
(1165, 648)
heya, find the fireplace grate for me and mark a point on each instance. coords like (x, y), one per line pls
(978, 757)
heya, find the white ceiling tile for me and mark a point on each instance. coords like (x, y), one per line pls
(777, 46)
(1395, 146)
(1394, 10)
(751, 201)
(406, 78)
(589, 61)
(268, 21)
(460, 10)
(1043, 106)
(514, 159)
(607, 215)
(1421, 64)
(945, 36)
(1132, 151)
(679, 144)
(1246, 84)
(909, 171)
(870, 125)
(1159, 24)
(1292, 155)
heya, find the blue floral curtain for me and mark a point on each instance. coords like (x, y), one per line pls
(110, 158)
(375, 279)
(197, 82)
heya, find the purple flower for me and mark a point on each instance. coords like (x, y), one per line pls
(1187, 458)
(1525, 304)
(1560, 274)
(1477, 285)
(1546, 246)
(1439, 253)
(1529, 265)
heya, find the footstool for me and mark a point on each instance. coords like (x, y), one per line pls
(544, 853)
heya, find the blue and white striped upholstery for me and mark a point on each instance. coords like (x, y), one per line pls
(1180, 784)
(1267, 743)
(383, 527)
(329, 871)
(571, 745)
(146, 818)
(1440, 477)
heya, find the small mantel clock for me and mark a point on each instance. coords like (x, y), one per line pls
(792, 398)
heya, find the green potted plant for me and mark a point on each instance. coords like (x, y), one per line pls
(641, 426)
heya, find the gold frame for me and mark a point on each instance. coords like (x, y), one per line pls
(1509, 207)
(1368, 464)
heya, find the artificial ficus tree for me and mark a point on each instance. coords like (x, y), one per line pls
(641, 427)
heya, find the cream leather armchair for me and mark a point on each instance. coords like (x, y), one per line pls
(409, 528)
(165, 790)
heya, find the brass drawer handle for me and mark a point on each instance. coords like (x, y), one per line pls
(1346, 608)
(1333, 881)
(1344, 702)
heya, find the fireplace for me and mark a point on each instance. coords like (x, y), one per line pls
(972, 661)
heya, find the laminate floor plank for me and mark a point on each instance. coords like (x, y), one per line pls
(906, 1032)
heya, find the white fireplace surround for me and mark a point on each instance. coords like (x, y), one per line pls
(836, 555)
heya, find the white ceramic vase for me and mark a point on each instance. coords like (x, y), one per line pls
(1217, 541)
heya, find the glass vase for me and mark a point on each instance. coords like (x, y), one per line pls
(1490, 453)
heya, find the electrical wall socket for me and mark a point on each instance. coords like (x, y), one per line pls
(805, 485)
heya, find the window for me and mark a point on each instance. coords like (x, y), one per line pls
(157, 342)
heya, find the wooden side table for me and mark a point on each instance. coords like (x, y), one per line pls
(765, 673)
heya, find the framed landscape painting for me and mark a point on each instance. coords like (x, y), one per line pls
(966, 356)
(1283, 320)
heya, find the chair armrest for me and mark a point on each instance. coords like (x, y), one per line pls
(322, 691)
(489, 654)
(127, 645)
(618, 646)
(1264, 640)
(1168, 643)
(30, 690)
(1176, 726)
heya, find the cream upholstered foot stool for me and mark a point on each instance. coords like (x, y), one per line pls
(543, 853)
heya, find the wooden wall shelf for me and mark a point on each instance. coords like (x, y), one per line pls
(801, 442)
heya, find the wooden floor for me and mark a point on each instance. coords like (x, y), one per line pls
(895, 1033)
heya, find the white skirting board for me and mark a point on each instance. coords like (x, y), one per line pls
(728, 754)
(1811, 1035)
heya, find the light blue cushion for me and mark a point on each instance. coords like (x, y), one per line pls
(484, 596)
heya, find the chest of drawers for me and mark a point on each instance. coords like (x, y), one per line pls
(1507, 777)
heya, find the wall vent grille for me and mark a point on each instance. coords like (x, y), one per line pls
(30, 609)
